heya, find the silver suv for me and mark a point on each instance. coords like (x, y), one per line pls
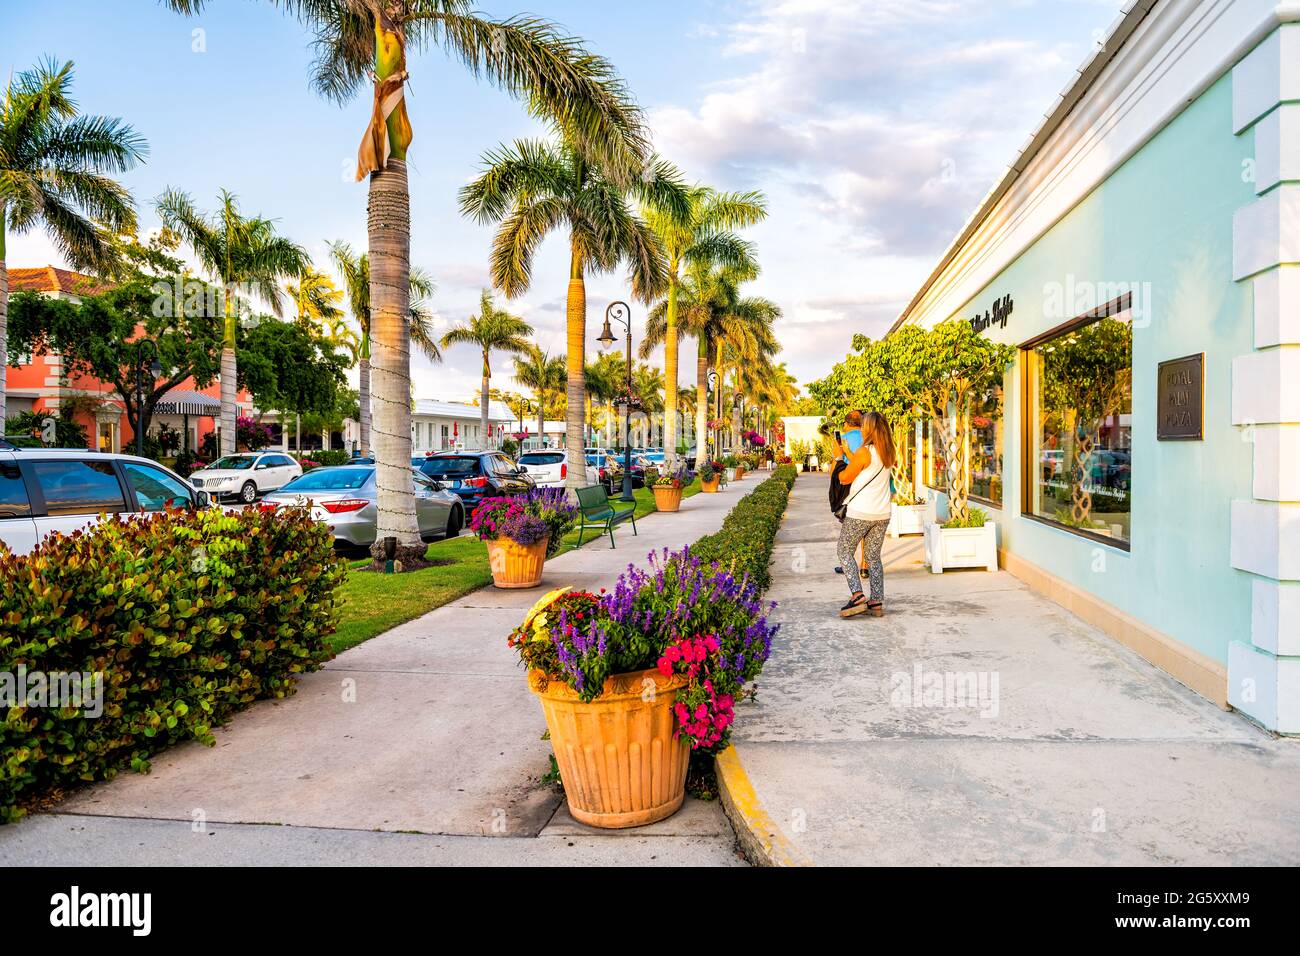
(43, 490)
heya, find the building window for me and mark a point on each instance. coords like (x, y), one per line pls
(986, 447)
(1079, 392)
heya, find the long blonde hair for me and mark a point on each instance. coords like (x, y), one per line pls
(876, 432)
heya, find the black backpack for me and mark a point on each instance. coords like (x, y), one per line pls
(839, 492)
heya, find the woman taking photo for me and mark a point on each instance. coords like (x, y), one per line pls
(866, 515)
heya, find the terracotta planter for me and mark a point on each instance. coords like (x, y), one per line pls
(740, 472)
(516, 565)
(618, 760)
(710, 487)
(668, 498)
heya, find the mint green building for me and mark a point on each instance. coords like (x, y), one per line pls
(1142, 457)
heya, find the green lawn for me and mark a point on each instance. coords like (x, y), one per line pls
(373, 603)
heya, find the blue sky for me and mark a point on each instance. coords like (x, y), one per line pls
(874, 127)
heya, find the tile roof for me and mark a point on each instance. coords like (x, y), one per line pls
(50, 279)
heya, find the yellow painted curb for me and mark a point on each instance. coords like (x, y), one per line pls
(761, 838)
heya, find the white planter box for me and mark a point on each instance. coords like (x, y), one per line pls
(961, 547)
(911, 519)
(731, 474)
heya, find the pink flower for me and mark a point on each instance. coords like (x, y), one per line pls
(665, 666)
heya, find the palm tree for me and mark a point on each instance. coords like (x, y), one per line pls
(317, 299)
(601, 381)
(704, 237)
(361, 41)
(648, 384)
(544, 375)
(492, 330)
(714, 312)
(685, 407)
(241, 251)
(534, 187)
(355, 270)
(55, 169)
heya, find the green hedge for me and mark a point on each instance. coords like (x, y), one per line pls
(748, 534)
(189, 617)
(325, 459)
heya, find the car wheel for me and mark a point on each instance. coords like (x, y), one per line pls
(248, 493)
(455, 521)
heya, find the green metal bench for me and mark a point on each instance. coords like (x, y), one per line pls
(598, 512)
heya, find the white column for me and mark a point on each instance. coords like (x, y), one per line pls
(1264, 671)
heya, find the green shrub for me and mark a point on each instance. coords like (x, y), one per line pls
(975, 518)
(25, 429)
(189, 617)
(744, 542)
(320, 458)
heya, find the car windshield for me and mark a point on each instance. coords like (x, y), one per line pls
(326, 479)
(234, 463)
(454, 467)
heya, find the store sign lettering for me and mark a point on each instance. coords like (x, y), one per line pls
(998, 315)
(1180, 399)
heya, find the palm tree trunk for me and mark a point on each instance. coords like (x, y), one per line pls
(364, 401)
(670, 377)
(484, 397)
(701, 403)
(541, 420)
(229, 394)
(4, 320)
(389, 226)
(576, 384)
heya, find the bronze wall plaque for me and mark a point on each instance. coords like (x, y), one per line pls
(1180, 399)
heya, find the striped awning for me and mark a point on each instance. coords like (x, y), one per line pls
(184, 402)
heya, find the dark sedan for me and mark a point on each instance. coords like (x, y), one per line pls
(474, 476)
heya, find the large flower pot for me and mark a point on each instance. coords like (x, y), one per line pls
(733, 474)
(910, 519)
(618, 759)
(710, 487)
(947, 548)
(667, 498)
(516, 565)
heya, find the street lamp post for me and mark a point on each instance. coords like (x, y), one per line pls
(620, 312)
(155, 369)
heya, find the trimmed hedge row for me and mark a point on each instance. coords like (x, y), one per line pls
(748, 533)
(188, 617)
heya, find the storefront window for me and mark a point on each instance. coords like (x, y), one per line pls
(986, 447)
(1080, 391)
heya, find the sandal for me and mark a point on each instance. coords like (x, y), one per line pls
(857, 605)
(876, 608)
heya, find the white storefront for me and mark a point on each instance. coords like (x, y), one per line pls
(444, 426)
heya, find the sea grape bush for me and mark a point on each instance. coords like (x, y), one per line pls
(189, 617)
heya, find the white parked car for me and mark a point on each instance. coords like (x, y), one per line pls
(548, 469)
(247, 475)
(44, 490)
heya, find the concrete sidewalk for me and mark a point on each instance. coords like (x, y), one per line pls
(427, 729)
(1086, 753)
